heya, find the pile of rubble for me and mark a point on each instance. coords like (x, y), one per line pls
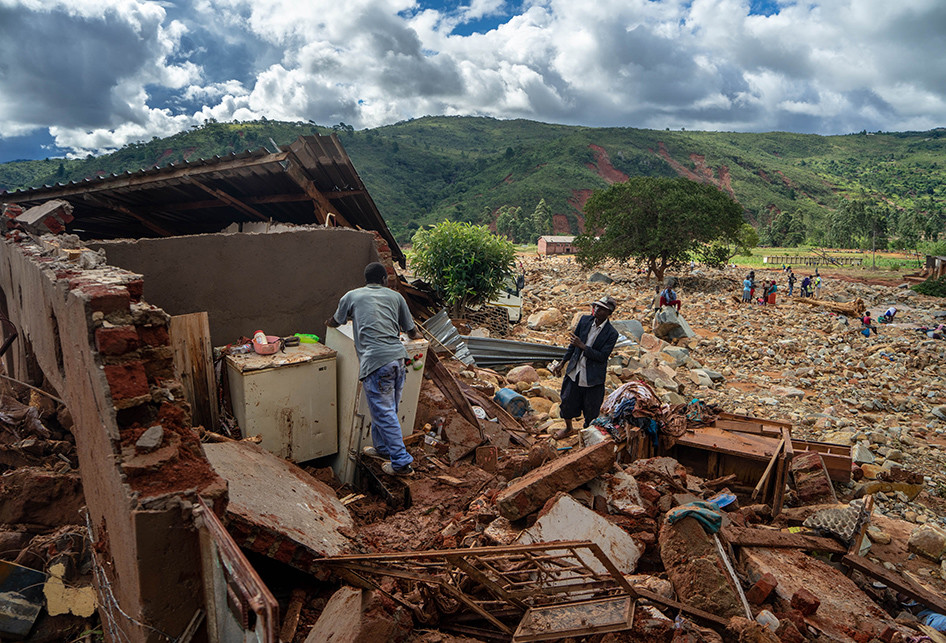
(824, 522)
(46, 560)
(787, 485)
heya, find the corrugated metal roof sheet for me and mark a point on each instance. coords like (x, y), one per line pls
(298, 184)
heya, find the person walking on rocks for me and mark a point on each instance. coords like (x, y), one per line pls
(770, 293)
(378, 315)
(806, 286)
(586, 363)
(747, 290)
(868, 324)
(791, 282)
(817, 286)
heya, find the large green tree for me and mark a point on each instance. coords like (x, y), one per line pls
(465, 264)
(656, 221)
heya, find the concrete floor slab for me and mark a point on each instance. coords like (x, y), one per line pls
(276, 508)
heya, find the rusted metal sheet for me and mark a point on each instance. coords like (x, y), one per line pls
(556, 622)
(300, 183)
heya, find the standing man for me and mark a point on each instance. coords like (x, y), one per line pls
(817, 285)
(378, 315)
(791, 282)
(587, 362)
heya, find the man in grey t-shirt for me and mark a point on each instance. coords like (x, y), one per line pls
(378, 315)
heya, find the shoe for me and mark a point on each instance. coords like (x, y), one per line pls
(371, 452)
(389, 469)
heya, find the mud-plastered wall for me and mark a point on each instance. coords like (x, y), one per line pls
(280, 282)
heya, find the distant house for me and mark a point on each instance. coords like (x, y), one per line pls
(550, 245)
(935, 266)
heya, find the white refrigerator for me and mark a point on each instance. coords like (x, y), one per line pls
(354, 416)
(288, 398)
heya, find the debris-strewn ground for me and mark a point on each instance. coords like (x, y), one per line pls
(883, 396)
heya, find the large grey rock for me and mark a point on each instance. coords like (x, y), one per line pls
(928, 540)
(629, 328)
(600, 278)
(670, 325)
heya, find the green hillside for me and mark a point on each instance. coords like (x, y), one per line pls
(423, 170)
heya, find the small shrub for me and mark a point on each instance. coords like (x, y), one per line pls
(466, 264)
(932, 287)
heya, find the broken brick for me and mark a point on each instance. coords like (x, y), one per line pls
(154, 335)
(107, 299)
(531, 491)
(136, 289)
(116, 341)
(760, 592)
(805, 602)
(127, 380)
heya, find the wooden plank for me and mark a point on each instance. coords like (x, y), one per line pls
(753, 447)
(749, 537)
(768, 470)
(448, 385)
(897, 582)
(228, 199)
(193, 364)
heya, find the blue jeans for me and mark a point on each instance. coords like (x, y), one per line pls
(383, 389)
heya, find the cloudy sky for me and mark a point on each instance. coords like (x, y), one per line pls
(88, 76)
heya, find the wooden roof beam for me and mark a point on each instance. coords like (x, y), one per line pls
(252, 200)
(227, 198)
(117, 207)
(323, 207)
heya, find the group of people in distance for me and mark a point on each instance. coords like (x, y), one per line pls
(768, 290)
(810, 287)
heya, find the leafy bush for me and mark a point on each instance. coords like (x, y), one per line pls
(932, 287)
(466, 264)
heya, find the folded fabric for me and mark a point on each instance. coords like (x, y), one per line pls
(705, 512)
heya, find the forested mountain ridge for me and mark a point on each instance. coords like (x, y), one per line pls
(794, 187)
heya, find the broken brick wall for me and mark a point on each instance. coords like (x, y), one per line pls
(280, 282)
(88, 333)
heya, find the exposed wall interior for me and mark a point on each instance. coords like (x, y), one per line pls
(280, 282)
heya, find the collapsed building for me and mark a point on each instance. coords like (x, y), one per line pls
(120, 287)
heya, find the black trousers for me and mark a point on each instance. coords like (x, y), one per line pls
(580, 400)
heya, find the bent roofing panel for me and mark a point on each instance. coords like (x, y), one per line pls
(206, 195)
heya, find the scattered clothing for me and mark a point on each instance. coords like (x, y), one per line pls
(706, 513)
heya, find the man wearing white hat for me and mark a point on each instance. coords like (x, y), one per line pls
(587, 363)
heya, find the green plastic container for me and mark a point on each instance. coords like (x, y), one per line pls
(305, 338)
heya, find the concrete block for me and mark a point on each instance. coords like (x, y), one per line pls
(621, 492)
(528, 493)
(277, 509)
(150, 439)
(340, 621)
(568, 519)
(845, 608)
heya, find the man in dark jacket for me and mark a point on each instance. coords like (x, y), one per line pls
(586, 363)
